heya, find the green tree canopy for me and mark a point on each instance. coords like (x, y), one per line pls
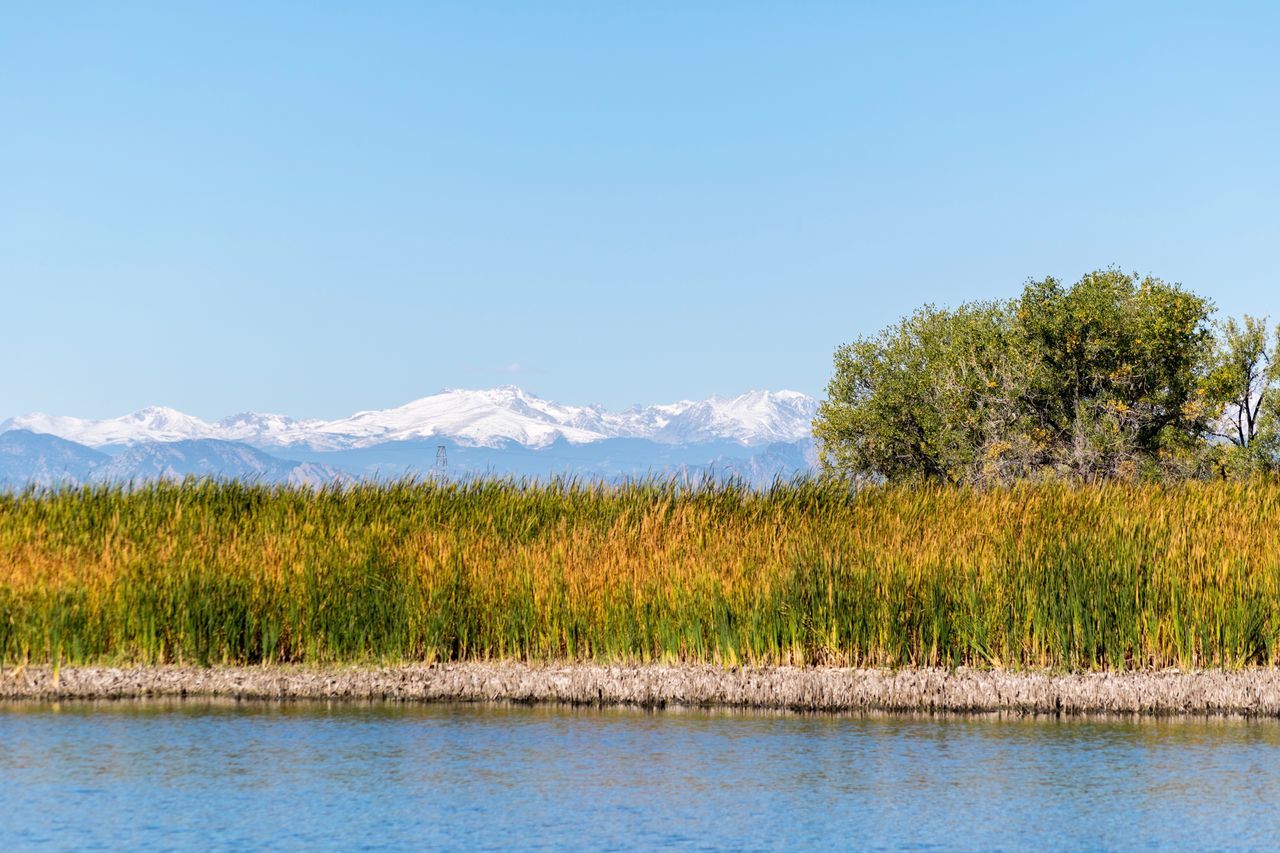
(1100, 378)
(922, 399)
(1245, 375)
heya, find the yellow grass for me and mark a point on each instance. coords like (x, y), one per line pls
(1115, 576)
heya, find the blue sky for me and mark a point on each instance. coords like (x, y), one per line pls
(319, 207)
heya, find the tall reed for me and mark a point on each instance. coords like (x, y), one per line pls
(1113, 576)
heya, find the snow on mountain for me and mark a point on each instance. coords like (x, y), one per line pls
(253, 426)
(757, 417)
(480, 418)
(491, 418)
(154, 423)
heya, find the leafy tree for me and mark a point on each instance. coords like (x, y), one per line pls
(923, 399)
(1245, 379)
(1105, 377)
(1244, 376)
(1115, 352)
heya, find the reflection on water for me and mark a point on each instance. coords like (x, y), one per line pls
(188, 774)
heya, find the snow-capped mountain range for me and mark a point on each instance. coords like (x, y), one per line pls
(493, 418)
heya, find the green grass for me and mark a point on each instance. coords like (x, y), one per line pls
(1114, 577)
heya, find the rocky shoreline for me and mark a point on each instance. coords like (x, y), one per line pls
(1254, 692)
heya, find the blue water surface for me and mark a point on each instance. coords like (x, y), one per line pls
(226, 775)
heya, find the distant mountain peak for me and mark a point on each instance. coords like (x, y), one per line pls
(507, 414)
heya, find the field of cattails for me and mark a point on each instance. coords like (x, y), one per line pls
(1049, 576)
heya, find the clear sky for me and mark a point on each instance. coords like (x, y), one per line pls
(321, 207)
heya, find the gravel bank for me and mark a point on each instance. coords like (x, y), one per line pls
(1249, 692)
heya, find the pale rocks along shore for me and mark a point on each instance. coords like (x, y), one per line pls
(1253, 692)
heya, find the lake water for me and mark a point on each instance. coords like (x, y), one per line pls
(334, 775)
